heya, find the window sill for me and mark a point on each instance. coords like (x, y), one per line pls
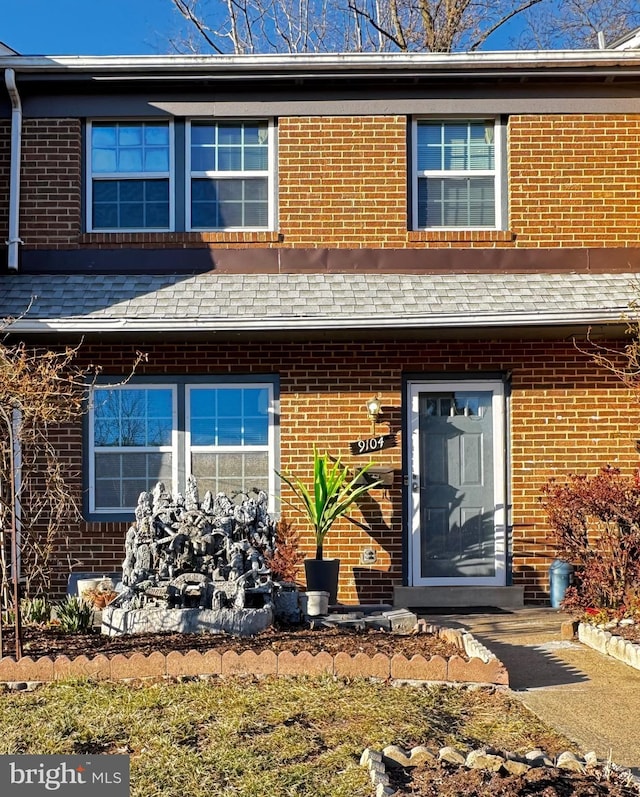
(460, 235)
(179, 238)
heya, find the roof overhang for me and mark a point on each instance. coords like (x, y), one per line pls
(219, 67)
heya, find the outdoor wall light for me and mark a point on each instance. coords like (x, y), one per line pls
(374, 409)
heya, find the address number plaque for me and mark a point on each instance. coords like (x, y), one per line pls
(371, 444)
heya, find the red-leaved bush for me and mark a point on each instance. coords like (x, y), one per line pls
(286, 559)
(595, 523)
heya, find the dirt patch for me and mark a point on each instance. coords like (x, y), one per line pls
(51, 641)
(442, 780)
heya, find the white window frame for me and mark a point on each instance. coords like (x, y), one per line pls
(106, 176)
(269, 448)
(497, 172)
(180, 447)
(228, 175)
(173, 449)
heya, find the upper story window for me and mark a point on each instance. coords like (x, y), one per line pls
(457, 174)
(136, 180)
(231, 175)
(130, 176)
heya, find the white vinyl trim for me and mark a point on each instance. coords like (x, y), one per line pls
(497, 173)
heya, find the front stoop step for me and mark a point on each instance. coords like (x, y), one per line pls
(458, 597)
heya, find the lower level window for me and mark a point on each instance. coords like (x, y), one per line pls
(141, 434)
(228, 437)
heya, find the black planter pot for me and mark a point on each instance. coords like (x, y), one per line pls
(322, 576)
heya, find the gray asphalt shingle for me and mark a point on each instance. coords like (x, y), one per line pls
(334, 298)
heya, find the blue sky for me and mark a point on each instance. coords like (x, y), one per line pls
(88, 27)
(101, 27)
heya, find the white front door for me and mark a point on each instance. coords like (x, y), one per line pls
(457, 483)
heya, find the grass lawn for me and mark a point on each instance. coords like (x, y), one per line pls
(280, 737)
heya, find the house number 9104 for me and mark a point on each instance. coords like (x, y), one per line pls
(373, 444)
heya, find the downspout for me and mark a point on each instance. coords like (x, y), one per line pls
(14, 183)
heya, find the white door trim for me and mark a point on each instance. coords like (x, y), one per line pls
(414, 388)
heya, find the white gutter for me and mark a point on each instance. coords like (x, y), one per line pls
(302, 323)
(515, 60)
(14, 179)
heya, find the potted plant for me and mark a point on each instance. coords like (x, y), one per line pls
(334, 490)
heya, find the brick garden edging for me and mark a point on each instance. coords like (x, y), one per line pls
(482, 666)
(610, 645)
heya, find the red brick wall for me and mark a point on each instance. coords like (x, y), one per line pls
(566, 415)
(574, 180)
(50, 212)
(343, 183)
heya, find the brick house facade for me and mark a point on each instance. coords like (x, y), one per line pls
(470, 329)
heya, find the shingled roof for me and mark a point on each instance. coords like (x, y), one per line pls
(216, 302)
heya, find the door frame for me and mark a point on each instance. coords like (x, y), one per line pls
(414, 386)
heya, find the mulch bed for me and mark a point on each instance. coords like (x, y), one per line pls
(51, 641)
(443, 780)
(630, 632)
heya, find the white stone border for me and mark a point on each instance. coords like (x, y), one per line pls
(488, 759)
(609, 645)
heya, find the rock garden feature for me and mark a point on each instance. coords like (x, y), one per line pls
(197, 566)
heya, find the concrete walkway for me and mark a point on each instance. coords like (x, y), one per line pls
(590, 698)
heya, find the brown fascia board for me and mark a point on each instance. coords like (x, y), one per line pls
(329, 261)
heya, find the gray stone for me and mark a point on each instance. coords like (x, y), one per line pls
(451, 755)
(369, 754)
(378, 777)
(377, 767)
(538, 758)
(515, 767)
(395, 757)
(350, 622)
(239, 622)
(569, 761)
(345, 616)
(383, 790)
(195, 566)
(420, 754)
(480, 759)
(402, 620)
(378, 622)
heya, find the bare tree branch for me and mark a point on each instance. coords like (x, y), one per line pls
(188, 13)
(41, 392)
(252, 26)
(507, 18)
